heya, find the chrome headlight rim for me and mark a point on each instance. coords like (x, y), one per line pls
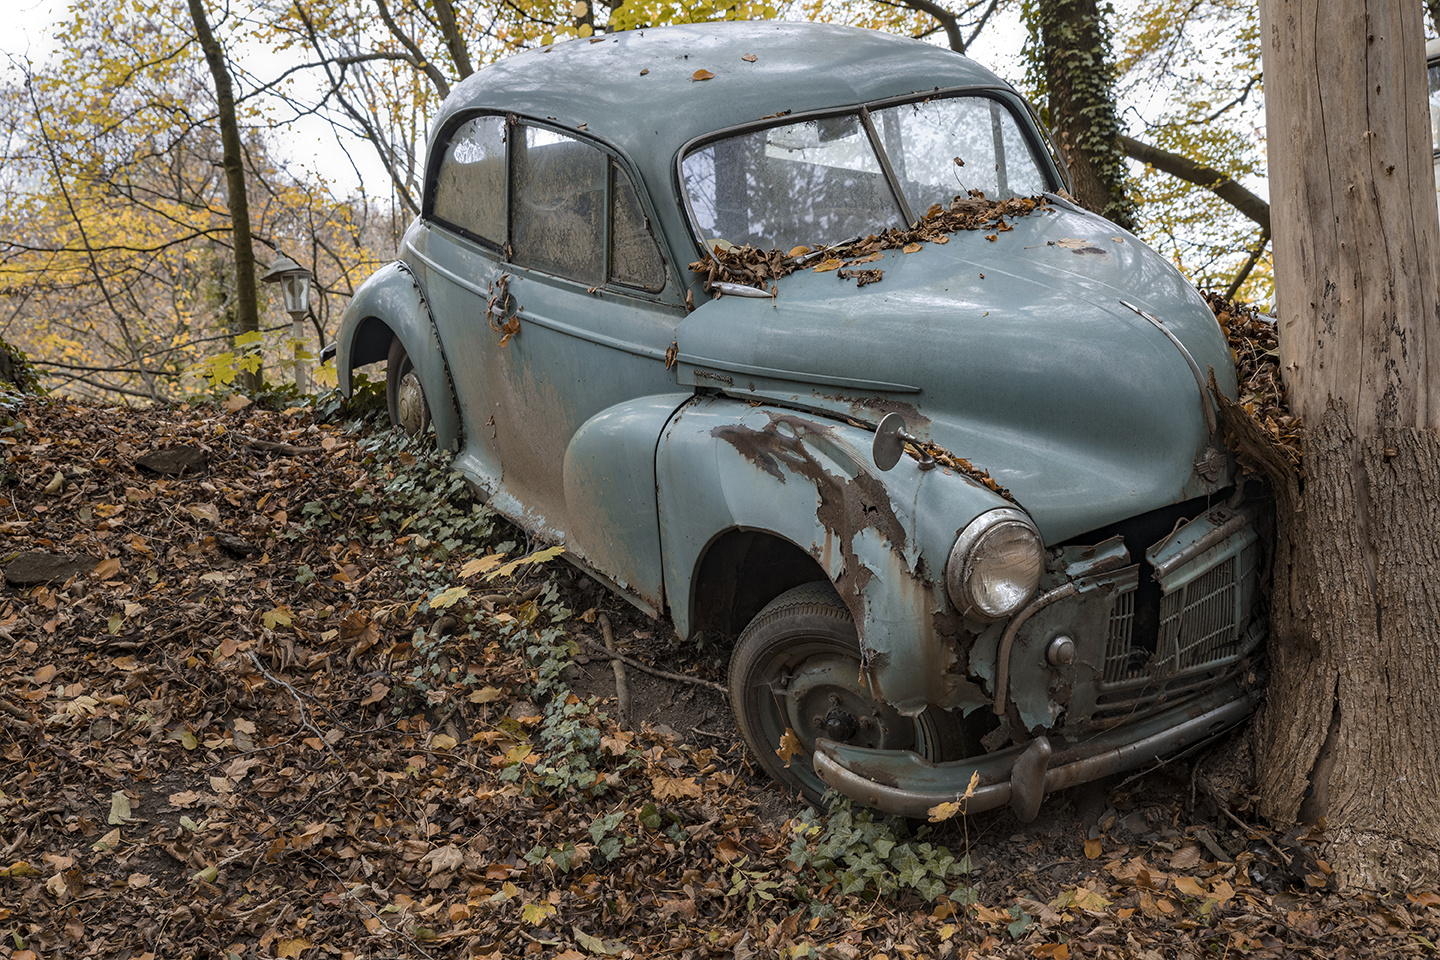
(960, 568)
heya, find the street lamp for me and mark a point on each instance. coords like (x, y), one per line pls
(294, 283)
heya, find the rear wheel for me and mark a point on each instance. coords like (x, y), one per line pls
(797, 668)
(404, 393)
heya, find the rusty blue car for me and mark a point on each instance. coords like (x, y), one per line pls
(791, 335)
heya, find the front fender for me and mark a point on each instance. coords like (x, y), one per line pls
(390, 304)
(881, 538)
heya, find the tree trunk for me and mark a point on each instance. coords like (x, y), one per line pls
(1351, 729)
(247, 310)
(1080, 97)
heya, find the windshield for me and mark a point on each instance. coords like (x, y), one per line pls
(821, 181)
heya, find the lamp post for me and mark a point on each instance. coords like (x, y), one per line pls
(294, 283)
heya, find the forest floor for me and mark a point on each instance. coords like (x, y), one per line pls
(304, 698)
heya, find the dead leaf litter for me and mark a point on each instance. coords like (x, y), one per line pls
(343, 743)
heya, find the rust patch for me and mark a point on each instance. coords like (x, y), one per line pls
(847, 506)
(882, 405)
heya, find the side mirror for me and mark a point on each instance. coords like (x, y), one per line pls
(890, 440)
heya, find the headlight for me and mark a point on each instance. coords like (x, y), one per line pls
(995, 565)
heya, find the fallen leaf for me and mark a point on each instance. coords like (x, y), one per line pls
(442, 741)
(278, 616)
(1189, 886)
(912, 248)
(1092, 849)
(749, 58)
(20, 868)
(702, 75)
(446, 859)
(106, 569)
(790, 746)
(204, 511)
(234, 404)
(988, 916)
(292, 948)
(676, 788)
(1186, 858)
(119, 808)
(537, 912)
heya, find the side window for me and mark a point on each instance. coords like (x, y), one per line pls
(557, 212)
(470, 185)
(635, 258)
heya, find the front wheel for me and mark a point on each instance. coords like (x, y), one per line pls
(797, 668)
(404, 393)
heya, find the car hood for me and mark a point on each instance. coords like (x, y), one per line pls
(1010, 349)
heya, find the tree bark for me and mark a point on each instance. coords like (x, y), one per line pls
(247, 308)
(1079, 84)
(1351, 730)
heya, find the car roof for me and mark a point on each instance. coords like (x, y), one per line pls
(635, 89)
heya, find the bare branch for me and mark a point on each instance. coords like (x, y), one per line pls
(1220, 184)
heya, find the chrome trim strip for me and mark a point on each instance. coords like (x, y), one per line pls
(1205, 406)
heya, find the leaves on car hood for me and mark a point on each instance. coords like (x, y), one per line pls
(753, 267)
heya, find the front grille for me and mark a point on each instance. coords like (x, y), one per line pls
(1202, 623)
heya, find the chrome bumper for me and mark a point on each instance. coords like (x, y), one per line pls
(903, 783)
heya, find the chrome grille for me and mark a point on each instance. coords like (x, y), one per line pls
(1120, 662)
(1202, 623)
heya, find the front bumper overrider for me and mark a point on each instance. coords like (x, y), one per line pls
(903, 783)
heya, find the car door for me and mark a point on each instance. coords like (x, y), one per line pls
(557, 325)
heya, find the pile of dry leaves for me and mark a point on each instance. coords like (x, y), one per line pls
(1255, 343)
(280, 704)
(755, 268)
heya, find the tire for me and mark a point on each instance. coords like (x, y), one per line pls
(404, 393)
(797, 667)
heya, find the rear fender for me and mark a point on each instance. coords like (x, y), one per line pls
(882, 539)
(391, 304)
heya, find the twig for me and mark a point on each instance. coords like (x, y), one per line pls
(299, 702)
(622, 687)
(713, 736)
(654, 671)
(288, 448)
(529, 593)
(1225, 809)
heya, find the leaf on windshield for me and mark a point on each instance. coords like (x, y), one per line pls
(749, 58)
(702, 75)
(828, 264)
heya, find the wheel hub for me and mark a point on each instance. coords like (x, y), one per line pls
(410, 404)
(841, 726)
(824, 695)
